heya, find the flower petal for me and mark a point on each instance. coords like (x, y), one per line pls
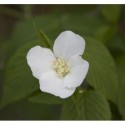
(68, 44)
(40, 60)
(51, 83)
(78, 71)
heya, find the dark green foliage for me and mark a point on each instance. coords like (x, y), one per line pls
(90, 105)
(102, 73)
(105, 50)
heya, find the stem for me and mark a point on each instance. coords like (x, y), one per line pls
(27, 11)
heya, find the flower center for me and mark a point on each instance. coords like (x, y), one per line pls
(61, 68)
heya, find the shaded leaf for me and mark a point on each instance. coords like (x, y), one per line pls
(102, 71)
(45, 98)
(90, 105)
(52, 25)
(25, 110)
(19, 82)
(121, 69)
(105, 33)
(3, 56)
(42, 36)
(111, 12)
(117, 45)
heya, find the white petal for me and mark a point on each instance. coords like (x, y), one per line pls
(51, 83)
(40, 60)
(78, 71)
(68, 44)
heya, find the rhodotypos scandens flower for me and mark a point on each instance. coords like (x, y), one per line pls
(61, 71)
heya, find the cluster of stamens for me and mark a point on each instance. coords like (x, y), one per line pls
(60, 67)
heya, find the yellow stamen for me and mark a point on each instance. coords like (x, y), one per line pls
(61, 68)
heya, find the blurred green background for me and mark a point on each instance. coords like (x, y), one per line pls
(102, 22)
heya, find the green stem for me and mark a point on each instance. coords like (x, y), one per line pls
(27, 11)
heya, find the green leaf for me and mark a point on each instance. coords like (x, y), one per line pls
(25, 110)
(81, 24)
(3, 56)
(3, 53)
(19, 82)
(111, 12)
(105, 33)
(25, 32)
(117, 45)
(102, 71)
(121, 69)
(89, 105)
(45, 98)
(121, 105)
(52, 25)
(42, 36)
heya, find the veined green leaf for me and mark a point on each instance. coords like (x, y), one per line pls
(89, 105)
(19, 82)
(102, 71)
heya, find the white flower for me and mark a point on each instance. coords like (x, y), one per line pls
(59, 73)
